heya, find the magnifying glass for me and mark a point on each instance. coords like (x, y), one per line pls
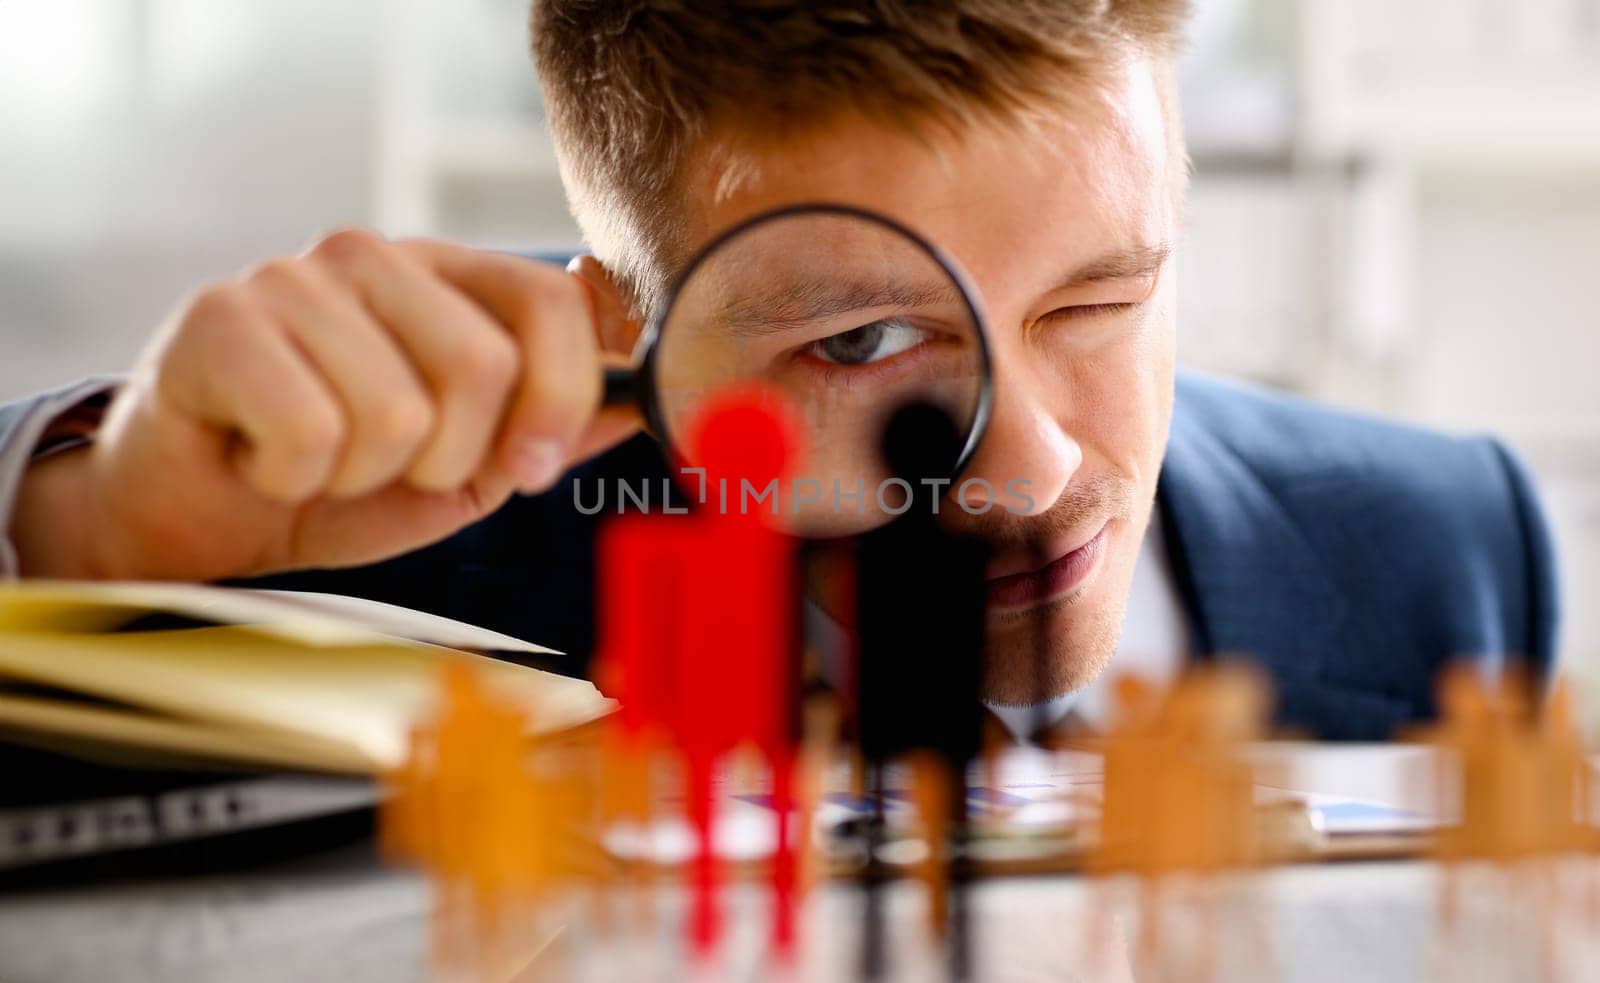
(845, 313)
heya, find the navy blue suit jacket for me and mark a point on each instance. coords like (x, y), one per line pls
(1350, 556)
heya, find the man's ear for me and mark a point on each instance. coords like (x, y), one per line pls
(617, 330)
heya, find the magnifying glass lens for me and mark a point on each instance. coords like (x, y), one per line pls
(849, 318)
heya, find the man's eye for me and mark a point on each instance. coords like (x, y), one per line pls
(868, 343)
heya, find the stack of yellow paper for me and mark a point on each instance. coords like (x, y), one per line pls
(274, 679)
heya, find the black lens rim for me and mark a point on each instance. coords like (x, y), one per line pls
(644, 389)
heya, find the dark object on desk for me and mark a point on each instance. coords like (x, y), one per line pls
(921, 603)
(64, 818)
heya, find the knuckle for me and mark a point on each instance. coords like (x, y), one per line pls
(278, 276)
(218, 318)
(400, 422)
(312, 431)
(546, 287)
(536, 286)
(420, 245)
(484, 359)
(217, 327)
(219, 305)
(348, 245)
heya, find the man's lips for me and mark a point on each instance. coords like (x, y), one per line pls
(1027, 587)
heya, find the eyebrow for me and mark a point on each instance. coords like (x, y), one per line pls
(1138, 261)
(789, 308)
(792, 307)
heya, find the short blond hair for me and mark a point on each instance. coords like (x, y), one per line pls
(631, 86)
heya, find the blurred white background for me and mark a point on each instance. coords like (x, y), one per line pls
(1397, 202)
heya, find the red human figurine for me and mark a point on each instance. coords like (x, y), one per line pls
(641, 565)
(741, 623)
(700, 638)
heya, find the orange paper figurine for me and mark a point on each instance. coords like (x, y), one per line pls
(1512, 768)
(1520, 770)
(1178, 805)
(1178, 795)
(932, 789)
(501, 831)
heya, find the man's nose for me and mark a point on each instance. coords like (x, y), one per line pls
(1026, 457)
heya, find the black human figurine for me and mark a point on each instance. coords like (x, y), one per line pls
(921, 600)
(1042, 728)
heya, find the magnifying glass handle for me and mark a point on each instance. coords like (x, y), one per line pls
(621, 386)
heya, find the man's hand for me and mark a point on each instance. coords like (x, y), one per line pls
(347, 405)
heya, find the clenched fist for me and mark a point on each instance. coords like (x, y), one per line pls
(365, 398)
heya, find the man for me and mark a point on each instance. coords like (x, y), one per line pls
(344, 409)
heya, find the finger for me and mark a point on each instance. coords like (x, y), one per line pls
(229, 367)
(387, 409)
(467, 359)
(560, 388)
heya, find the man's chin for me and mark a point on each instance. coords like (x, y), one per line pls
(1047, 651)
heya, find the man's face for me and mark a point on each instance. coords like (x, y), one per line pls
(1066, 232)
